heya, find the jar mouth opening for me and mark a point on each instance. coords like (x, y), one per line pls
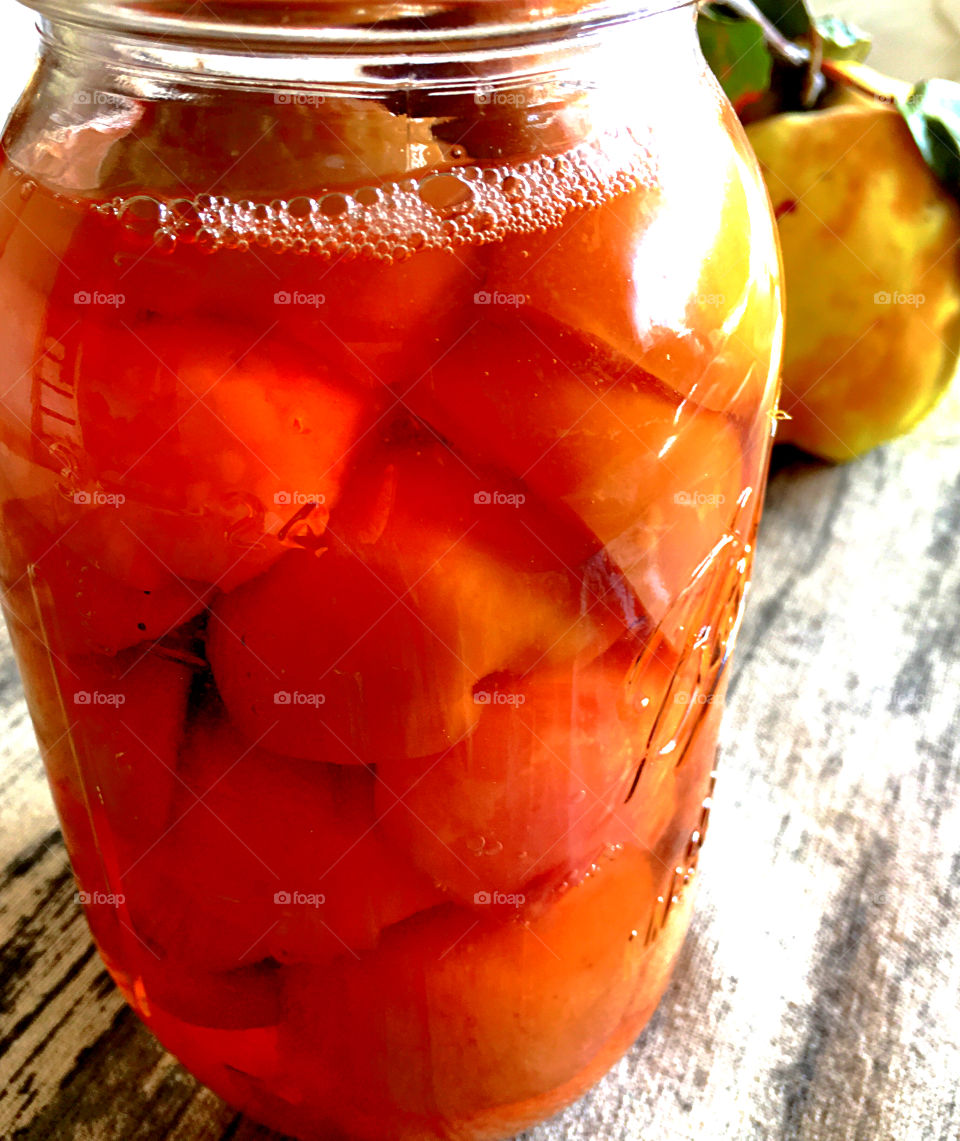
(333, 27)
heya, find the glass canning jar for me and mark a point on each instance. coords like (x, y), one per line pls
(387, 391)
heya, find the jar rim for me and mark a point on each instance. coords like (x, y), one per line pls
(328, 26)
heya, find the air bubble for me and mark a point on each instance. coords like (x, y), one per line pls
(142, 215)
(334, 205)
(301, 209)
(367, 196)
(207, 240)
(165, 241)
(515, 187)
(447, 193)
(27, 187)
(186, 215)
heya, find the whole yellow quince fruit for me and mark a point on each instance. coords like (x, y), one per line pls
(872, 267)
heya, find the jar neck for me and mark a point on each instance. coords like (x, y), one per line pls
(392, 26)
(108, 112)
(410, 46)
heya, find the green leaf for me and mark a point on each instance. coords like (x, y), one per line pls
(792, 17)
(738, 55)
(842, 40)
(932, 112)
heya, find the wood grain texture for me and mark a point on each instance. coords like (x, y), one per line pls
(817, 994)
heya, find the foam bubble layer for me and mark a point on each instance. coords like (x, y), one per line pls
(389, 221)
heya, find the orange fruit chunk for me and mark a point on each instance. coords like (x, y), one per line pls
(426, 589)
(66, 600)
(267, 857)
(453, 1014)
(656, 479)
(197, 444)
(539, 787)
(680, 275)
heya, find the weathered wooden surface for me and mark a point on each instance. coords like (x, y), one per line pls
(818, 995)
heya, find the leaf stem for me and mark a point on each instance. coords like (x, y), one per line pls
(791, 52)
